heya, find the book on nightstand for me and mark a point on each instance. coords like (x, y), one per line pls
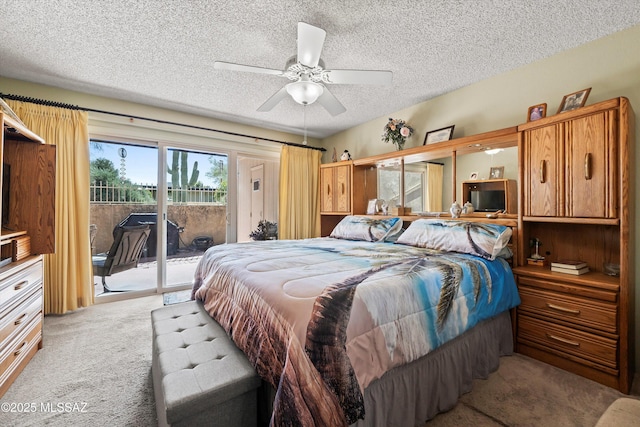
(575, 272)
(570, 264)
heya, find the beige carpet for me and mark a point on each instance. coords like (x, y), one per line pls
(98, 362)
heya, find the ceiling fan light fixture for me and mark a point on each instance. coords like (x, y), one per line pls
(304, 92)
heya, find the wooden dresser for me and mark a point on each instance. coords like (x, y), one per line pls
(577, 190)
(28, 220)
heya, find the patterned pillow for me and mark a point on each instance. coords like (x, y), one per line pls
(475, 238)
(365, 228)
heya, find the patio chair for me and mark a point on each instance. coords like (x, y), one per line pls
(125, 252)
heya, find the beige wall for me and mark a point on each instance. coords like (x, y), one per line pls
(610, 66)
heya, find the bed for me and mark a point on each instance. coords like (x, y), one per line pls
(345, 327)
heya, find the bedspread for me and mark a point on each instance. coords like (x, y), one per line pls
(322, 318)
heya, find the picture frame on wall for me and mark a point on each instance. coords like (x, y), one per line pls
(438, 135)
(537, 112)
(496, 172)
(574, 100)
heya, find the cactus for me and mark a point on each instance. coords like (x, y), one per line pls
(179, 173)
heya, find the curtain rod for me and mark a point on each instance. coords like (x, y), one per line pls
(75, 107)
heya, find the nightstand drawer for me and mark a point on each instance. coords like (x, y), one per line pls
(570, 309)
(567, 341)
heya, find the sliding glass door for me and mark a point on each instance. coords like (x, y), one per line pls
(188, 218)
(196, 210)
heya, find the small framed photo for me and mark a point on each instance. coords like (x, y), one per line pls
(537, 112)
(574, 100)
(438, 135)
(496, 172)
(473, 175)
(372, 207)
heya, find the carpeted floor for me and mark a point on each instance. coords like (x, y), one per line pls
(97, 362)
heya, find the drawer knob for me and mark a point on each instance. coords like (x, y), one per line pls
(20, 285)
(563, 309)
(563, 340)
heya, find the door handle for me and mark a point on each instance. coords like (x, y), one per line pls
(587, 166)
(543, 171)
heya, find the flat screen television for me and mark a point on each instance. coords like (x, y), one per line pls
(487, 200)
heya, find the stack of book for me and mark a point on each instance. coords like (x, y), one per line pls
(570, 267)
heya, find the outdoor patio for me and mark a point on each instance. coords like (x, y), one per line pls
(180, 270)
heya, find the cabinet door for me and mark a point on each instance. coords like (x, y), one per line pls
(590, 152)
(543, 186)
(342, 188)
(326, 190)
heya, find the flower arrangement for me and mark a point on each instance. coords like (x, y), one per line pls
(397, 131)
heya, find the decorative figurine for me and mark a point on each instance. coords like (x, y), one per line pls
(467, 208)
(535, 242)
(345, 155)
(455, 210)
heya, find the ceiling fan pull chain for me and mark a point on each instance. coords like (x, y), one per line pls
(304, 121)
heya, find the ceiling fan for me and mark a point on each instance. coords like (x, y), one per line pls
(308, 75)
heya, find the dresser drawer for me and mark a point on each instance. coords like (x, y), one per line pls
(570, 309)
(20, 348)
(20, 316)
(19, 285)
(568, 342)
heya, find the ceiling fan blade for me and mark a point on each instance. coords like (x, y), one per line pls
(366, 77)
(310, 42)
(274, 100)
(331, 103)
(219, 65)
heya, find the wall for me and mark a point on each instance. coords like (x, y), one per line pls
(610, 66)
(197, 220)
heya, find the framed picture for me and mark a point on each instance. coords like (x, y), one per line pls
(473, 175)
(372, 207)
(496, 172)
(574, 100)
(438, 135)
(537, 112)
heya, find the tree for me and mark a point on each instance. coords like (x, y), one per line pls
(218, 173)
(112, 188)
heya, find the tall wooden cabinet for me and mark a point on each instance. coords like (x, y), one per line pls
(28, 221)
(341, 193)
(577, 189)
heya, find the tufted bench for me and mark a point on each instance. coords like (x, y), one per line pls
(624, 412)
(199, 376)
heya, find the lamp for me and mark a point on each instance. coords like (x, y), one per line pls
(304, 91)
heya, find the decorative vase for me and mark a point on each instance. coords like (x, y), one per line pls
(455, 210)
(400, 144)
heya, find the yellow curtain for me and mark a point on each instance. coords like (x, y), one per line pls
(68, 279)
(299, 206)
(435, 180)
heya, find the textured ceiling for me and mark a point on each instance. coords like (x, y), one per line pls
(161, 52)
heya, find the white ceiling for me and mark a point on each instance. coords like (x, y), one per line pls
(161, 52)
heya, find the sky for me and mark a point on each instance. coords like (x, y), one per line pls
(141, 163)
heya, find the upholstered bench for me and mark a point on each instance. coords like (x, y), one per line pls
(199, 376)
(624, 412)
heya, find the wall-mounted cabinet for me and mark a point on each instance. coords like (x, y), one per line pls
(571, 167)
(577, 203)
(28, 220)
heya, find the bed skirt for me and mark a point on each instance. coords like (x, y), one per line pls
(410, 395)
